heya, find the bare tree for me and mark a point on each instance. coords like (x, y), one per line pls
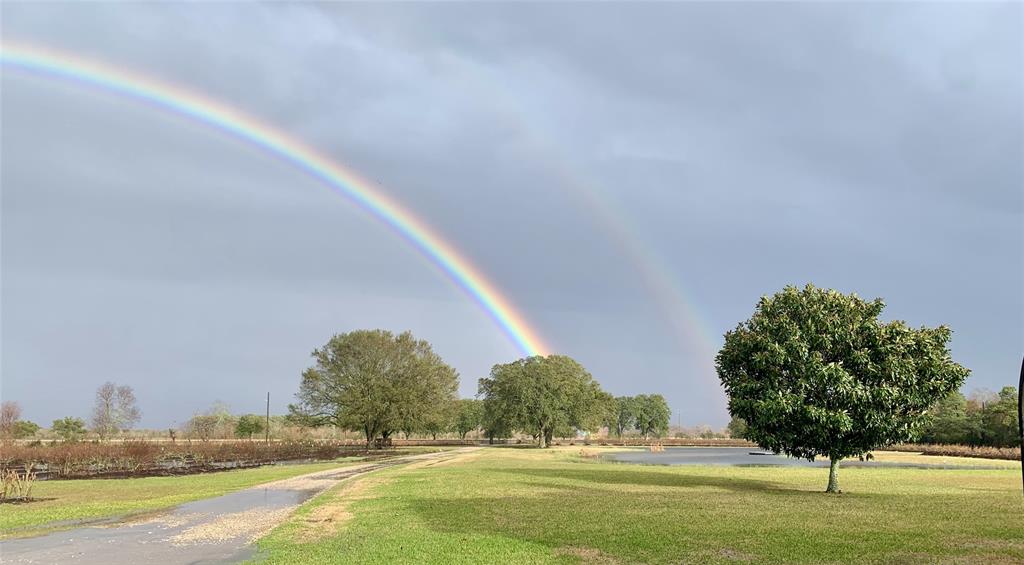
(115, 410)
(10, 413)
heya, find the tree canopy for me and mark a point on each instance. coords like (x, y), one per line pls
(648, 414)
(375, 382)
(652, 414)
(469, 415)
(622, 416)
(69, 428)
(814, 372)
(986, 418)
(737, 427)
(248, 425)
(542, 395)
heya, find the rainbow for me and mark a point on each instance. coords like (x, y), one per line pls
(59, 65)
(693, 332)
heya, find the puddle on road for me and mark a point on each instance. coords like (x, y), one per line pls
(215, 530)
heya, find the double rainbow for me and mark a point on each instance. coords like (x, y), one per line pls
(342, 180)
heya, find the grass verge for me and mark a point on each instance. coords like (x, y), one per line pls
(533, 506)
(77, 500)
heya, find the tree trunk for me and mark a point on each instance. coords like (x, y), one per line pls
(833, 476)
(540, 439)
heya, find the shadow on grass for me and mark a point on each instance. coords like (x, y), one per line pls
(655, 514)
(649, 477)
(592, 513)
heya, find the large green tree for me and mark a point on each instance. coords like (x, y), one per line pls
(541, 395)
(652, 414)
(814, 372)
(375, 382)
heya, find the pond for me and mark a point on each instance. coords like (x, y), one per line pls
(750, 457)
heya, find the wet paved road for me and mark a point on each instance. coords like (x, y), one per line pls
(214, 530)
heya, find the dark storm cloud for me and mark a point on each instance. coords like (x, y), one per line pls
(873, 148)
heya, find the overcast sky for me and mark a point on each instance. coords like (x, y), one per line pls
(633, 177)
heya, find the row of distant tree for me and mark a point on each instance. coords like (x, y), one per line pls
(648, 414)
(115, 410)
(382, 384)
(983, 418)
(219, 423)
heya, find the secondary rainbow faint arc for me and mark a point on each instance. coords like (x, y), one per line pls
(62, 65)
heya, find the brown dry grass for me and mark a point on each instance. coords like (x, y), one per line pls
(326, 519)
(981, 452)
(588, 555)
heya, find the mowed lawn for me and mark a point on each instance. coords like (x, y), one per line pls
(533, 506)
(104, 498)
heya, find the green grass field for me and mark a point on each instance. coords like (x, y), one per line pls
(533, 506)
(101, 498)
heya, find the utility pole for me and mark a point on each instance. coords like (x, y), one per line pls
(268, 420)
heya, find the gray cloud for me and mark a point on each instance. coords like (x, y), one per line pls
(872, 148)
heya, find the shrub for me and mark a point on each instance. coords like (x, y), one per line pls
(95, 459)
(983, 452)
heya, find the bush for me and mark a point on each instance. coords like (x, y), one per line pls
(16, 484)
(983, 452)
(133, 458)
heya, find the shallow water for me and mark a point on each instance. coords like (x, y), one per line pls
(149, 540)
(213, 530)
(750, 457)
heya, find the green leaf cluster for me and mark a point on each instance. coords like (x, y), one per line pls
(814, 372)
(469, 416)
(69, 428)
(542, 396)
(985, 419)
(376, 382)
(649, 414)
(249, 425)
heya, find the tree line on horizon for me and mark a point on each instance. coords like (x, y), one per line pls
(812, 373)
(381, 384)
(115, 410)
(983, 418)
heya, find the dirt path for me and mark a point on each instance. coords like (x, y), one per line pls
(214, 530)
